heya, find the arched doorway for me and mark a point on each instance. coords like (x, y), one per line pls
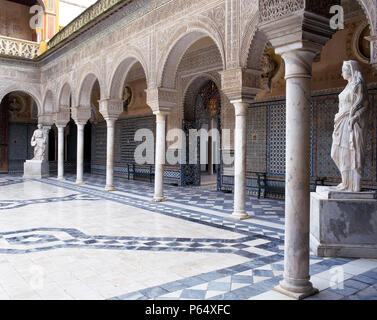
(18, 120)
(202, 112)
(3, 139)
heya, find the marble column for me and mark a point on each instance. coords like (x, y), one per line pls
(160, 156)
(47, 129)
(210, 147)
(61, 138)
(298, 70)
(110, 154)
(80, 153)
(240, 161)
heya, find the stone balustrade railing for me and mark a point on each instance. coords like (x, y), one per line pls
(18, 48)
(87, 16)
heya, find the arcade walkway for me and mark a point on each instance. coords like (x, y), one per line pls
(63, 241)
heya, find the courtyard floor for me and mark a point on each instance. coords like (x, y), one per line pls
(63, 241)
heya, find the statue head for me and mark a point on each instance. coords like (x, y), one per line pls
(351, 71)
(40, 126)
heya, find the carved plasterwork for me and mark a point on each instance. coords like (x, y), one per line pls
(360, 45)
(217, 15)
(274, 9)
(110, 109)
(162, 99)
(240, 84)
(81, 114)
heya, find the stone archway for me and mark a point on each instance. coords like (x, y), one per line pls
(3, 139)
(18, 119)
(202, 111)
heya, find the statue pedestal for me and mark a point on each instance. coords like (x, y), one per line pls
(36, 169)
(343, 224)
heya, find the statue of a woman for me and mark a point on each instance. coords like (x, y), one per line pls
(350, 129)
(39, 142)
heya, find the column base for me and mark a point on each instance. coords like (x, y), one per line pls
(80, 183)
(240, 215)
(60, 178)
(159, 199)
(110, 188)
(298, 293)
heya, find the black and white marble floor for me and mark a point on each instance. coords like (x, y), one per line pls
(63, 241)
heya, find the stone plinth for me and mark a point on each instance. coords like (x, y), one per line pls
(343, 224)
(36, 169)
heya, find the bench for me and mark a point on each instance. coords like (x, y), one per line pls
(276, 186)
(141, 172)
(256, 181)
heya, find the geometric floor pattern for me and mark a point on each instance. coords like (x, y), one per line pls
(226, 259)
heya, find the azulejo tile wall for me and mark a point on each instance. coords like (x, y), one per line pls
(257, 138)
(324, 108)
(276, 139)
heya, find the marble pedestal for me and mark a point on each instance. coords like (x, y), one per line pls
(36, 169)
(343, 224)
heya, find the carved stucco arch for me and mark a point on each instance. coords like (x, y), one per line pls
(123, 65)
(370, 10)
(90, 76)
(254, 42)
(64, 97)
(199, 81)
(187, 34)
(49, 105)
(33, 92)
(250, 40)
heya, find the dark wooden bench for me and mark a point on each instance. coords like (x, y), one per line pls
(256, 181)
(141, 172)
(274, 186)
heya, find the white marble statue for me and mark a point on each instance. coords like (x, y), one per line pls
(350, 129)
(39, 142)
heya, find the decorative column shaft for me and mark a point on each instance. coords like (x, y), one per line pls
(110, 155)
(46, 129)
(298, 31)
(160, 156)
(61, 152)
(81, 115)
(80, 153)
(298, 66)
(211, 127)
(240, 161)
(111, 110)
(61, 119)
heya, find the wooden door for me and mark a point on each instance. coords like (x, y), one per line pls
(3, 139)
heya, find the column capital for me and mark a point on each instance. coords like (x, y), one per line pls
(62, 117)
(240, 108)
(81, 123)
(111, 108)
(81, 114)
(240, 85)
(298, 63)
(305, 26)
(63, 107)
(46, 120)
(161, 99)
(162, 113)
